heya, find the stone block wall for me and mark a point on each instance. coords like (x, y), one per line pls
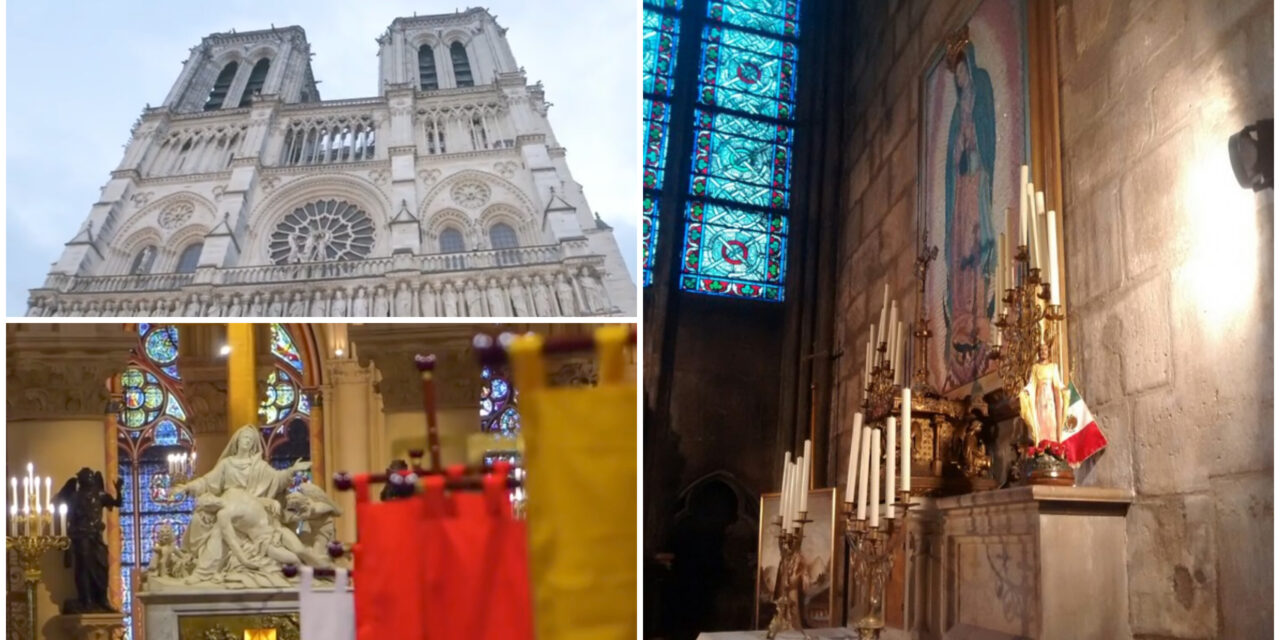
(1168, 276)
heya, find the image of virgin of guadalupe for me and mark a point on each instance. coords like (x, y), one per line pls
(970, 246)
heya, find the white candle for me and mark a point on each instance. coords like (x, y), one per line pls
(1022, 204)
(1054, 284)
(26, 520)
(62, 517)
(804, 477)
(13, 517)
(851, 475)
(866, 372)
(892, 334)
(864, 459)
(875, 478)
(1037, 234)
(890, 469)
(26, 493)
(906, 439)
(900, 367)
(784, 510)
(884, 317)
(48, 493)
(13, 482)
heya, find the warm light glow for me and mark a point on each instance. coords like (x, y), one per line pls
(259, 634)
(225, 350)
(1221, 271)
(338, 352)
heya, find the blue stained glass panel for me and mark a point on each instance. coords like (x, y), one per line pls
(656, 116)
(649, 234)
(661, 35)
(126, 539)
(171, 371)
(747, 72)
(304, 404)
(162, 344)
(126, 575)
(781, 17)
(734, 252)
(282, 347)
(175, 409)
(166, 433)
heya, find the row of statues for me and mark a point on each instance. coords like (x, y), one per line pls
(521, 296)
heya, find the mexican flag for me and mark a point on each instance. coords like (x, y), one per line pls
(1080, 433)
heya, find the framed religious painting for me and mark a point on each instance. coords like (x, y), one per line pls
(988, 105)
(822, 553)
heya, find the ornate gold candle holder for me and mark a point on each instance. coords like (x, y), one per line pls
(871, 553)
(788, 589)
(28, 549)
(1027, 324)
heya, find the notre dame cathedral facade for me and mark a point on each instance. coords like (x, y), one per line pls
(245, 194)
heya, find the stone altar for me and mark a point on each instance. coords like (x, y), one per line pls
(167, 612)
(1028, 562)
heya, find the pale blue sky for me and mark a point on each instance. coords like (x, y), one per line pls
(79, 74)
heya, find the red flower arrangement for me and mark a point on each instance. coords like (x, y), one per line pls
(1049, 448)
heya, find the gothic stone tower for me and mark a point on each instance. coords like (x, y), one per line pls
(246, 194)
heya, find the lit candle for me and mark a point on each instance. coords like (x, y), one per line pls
(193, 463)
(26, 493)
(906, 439)
(36, 482)
(851, 476)
(890, 469)
(804, 477)
(48, 493)
(864, 460)
(13, 482)
(62, 517)
(13, 518)
(1022, 204)
(875, 477)
(1054, 285)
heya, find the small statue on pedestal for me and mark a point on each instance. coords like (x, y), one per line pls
(85, 496)
(1044, 400)
(788, 589)
(167, 559)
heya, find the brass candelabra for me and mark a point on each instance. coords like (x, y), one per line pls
(882, 393)
(1027, 324)
(871, 551)
(787, 590)
(33, 536)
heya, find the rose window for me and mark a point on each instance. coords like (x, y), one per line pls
(472, 195)
(176, 214)
(322, 231)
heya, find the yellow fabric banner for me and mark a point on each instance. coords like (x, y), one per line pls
(580, 457)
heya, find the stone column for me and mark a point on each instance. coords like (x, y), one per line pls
(354, 428)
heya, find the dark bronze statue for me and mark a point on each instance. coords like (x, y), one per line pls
(85, 496)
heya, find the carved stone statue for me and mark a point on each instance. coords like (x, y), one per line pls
(450, 301)
(404, 301)
(359, 304)
(297, 305)
(276, 308)
(194, 303)
(108, 307)
(256, 305)
(596, 300)
(542, 298)
(214, 308)
(142, 264)
(497, 298)
(317, 304)
(427, 301)
(311, 509)
(126, 308)
(338, 308)
(238, 536)
(167, 559)
(381, 302)
(564, 293)
(472, 295)
(519, 299)
(85, 496)
(235, 309)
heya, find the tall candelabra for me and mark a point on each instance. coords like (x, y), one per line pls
(1028, 326)
(787, 590)
(871, 551)
(32, 534)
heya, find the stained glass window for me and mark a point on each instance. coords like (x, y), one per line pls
(151, 424)
(498, 413)
(661, 35)
(286, 407)
(742, 117)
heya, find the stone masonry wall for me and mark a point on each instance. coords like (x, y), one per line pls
(1168, 276)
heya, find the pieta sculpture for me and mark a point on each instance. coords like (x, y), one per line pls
(246, 522)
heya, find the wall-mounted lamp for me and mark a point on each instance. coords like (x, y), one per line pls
(225, 350)
(338, 352)
(1251, 157)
